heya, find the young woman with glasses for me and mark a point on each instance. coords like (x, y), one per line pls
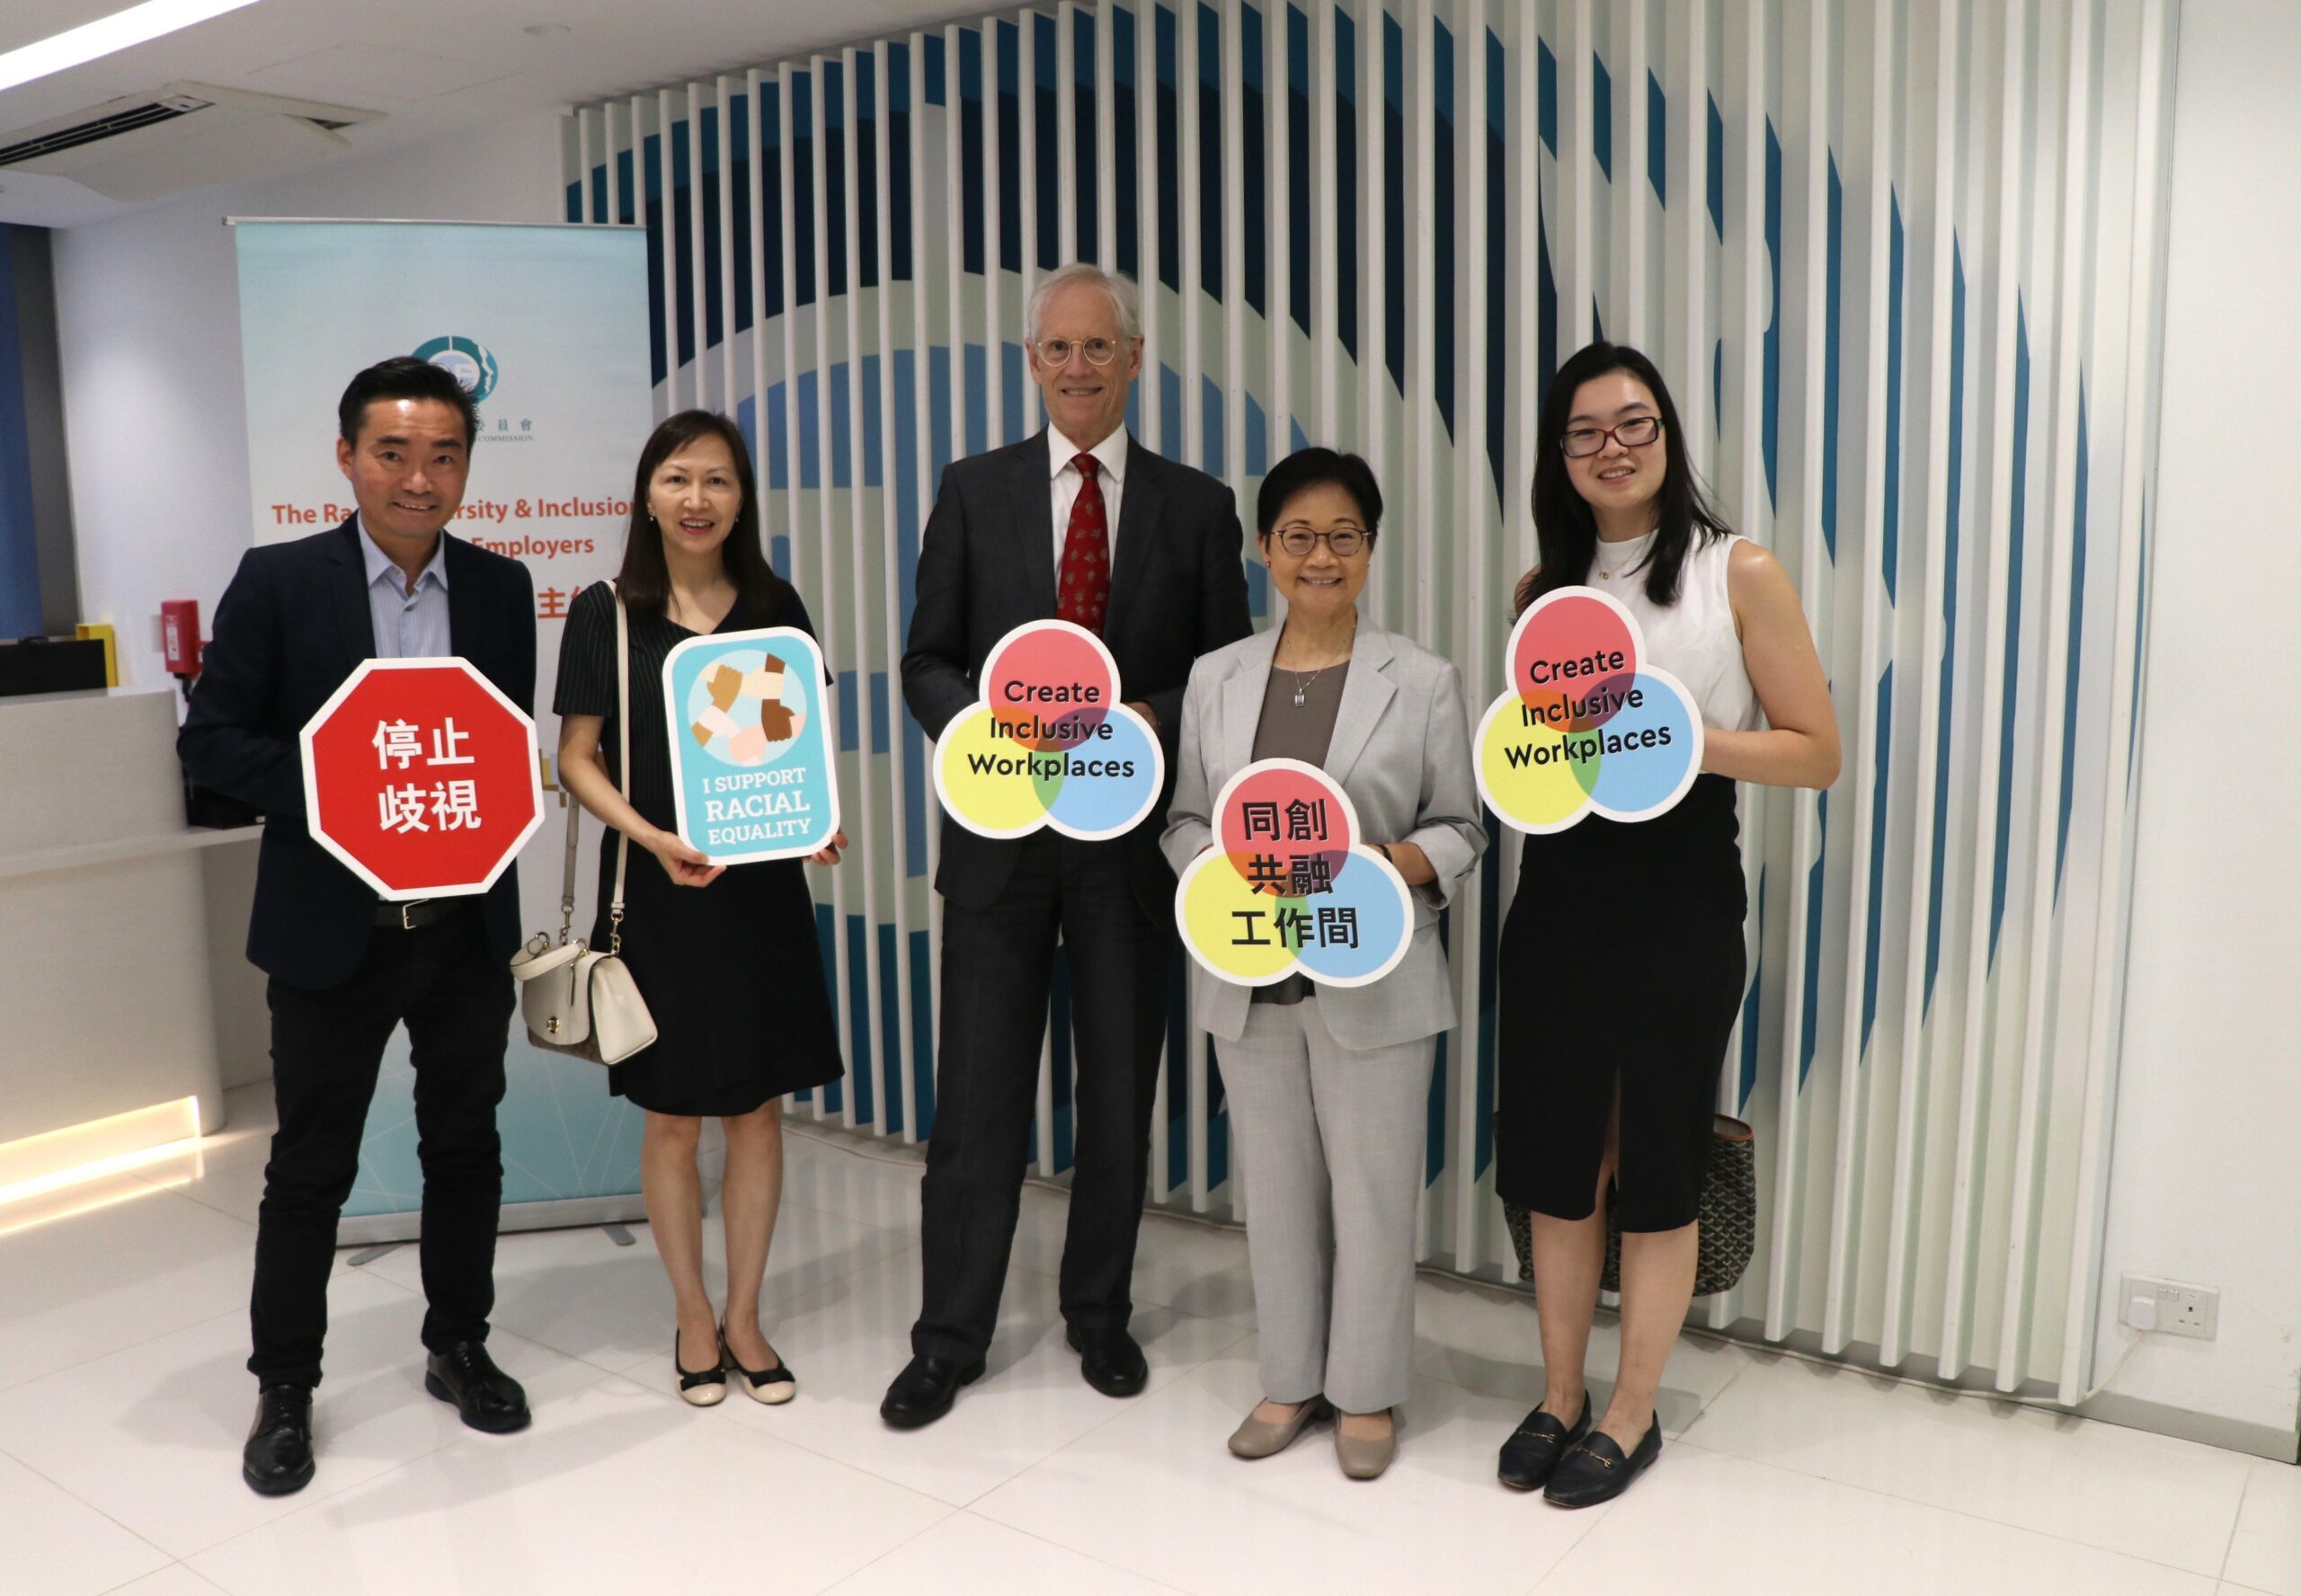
(1633, 932)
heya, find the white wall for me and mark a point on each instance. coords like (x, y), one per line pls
(2203, 1185)
(149, 326)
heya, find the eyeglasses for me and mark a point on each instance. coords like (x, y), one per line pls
(1057, 352)
(1342, 542)
(1582, 442)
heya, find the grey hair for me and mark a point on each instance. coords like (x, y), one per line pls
(1121, 290)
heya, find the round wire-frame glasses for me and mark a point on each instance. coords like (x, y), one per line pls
(1342, 542)
(1100, 351)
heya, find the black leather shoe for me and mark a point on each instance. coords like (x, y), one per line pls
(1596, 1471)
(488, 1398)
(1111, 1361)
(925, 1389)
(277, 1459)
(1533, 1451)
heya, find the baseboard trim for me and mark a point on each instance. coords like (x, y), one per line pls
(2234, 1435)
(2111, 1408)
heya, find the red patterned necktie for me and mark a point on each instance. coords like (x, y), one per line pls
(1084, 589)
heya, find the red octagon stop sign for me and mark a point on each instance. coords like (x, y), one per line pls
(422, 777)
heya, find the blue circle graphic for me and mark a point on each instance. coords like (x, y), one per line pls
(471, 362)
(724, 712)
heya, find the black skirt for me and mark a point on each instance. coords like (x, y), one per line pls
(1621, 960)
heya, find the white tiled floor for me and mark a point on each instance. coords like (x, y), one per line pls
(122, 1401)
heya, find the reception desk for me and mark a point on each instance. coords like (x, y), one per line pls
(108, 1047)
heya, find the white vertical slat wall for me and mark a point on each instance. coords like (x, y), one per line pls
(1901, 263)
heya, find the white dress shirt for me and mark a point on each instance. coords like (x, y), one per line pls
(1112, 455)
(411, 620)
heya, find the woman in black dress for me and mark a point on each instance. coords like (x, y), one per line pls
(725, 956)
(1622, 961)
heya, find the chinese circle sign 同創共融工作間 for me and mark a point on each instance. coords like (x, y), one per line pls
(1587, 725)
(753, 774)
(1049, 743)
(1289, 887)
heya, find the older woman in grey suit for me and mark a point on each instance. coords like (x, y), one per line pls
(1328, 1087)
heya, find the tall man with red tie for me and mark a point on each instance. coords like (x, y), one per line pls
(1078, 523)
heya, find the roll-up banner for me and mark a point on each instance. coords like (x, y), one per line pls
(547, 327)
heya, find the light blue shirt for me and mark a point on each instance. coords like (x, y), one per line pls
(409, 625)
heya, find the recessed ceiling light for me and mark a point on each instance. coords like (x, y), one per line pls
(76, 46)
(544, 29)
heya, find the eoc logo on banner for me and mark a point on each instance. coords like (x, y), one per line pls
(422, 777)
(1287, 885)
(467, 360)
(1049, 744)
(752, 773)
(1586, 727)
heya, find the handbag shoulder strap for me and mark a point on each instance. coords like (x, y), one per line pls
(567, 873)
(623, 721)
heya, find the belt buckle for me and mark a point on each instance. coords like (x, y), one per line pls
(408, 907)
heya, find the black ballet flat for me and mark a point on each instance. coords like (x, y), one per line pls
(773, 1387)
(1596, 1471)
(700, 1387)
(1533, 1452)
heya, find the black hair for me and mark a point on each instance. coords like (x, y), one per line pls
(645, 580)
(404, 377)
(1315, 467)
(1566, 532)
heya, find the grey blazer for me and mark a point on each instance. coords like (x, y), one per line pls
(1401, 751)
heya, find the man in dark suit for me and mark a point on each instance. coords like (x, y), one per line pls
(346, 968)
(1027, 534)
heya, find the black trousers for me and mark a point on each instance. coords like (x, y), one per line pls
(997, 963)
(328, 1046)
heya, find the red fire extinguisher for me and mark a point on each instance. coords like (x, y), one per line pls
(179, 644)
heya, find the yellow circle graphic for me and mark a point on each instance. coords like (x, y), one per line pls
(981, 776)
(1214, 896)
(1525, 772)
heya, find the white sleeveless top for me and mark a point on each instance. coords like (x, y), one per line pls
(1694, 639)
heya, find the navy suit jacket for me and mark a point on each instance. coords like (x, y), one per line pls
(293, 624)
(986, 566)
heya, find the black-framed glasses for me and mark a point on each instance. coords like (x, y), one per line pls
(1581, 442)
(1342, 542)
(1057, 352)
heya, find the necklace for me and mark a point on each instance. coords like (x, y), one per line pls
(1608, 573)
(1302, 682)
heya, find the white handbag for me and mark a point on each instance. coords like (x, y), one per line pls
(574, 1000)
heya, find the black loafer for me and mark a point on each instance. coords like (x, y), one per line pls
(925, 1389)
(276, 1460)
(1112, 1361)
(1533, 1451)
(1596, 1471)
(488, 1398)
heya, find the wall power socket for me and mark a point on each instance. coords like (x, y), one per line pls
(2170, 1306)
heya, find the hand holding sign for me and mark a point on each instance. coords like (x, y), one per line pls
(1587, 727)
(1287, 886)
(1049, 744)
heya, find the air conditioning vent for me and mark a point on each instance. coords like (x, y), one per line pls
(181, 136)
(104, 127)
